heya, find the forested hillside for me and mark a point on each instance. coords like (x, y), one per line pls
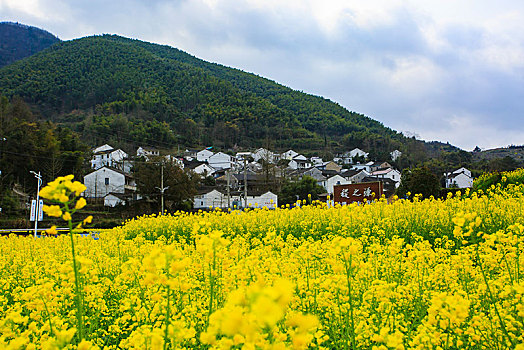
(27, 144)
(18, 41)
(129, 91)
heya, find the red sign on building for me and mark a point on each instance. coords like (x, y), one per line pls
(361, 192)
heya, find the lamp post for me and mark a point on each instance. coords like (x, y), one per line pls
(37, 206)
(162, 188)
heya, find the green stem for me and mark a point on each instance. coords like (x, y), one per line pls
(78, 292)
(212, 283)
(504, 330)
(168, 315)
(48, 318)
(348, 277)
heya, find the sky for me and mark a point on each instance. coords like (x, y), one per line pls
(445, 70)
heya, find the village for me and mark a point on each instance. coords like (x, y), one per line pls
(245, 179)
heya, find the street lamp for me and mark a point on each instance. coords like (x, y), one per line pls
(162, 188)
(37, 206)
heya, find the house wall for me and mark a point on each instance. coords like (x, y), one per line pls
(333, 166)
(292, 165)
(212, 199)
(289, 154)
(112, 201)
(95, 183)
(358, 177)
(204, 169)
(357, 152)
(393, 175)
(267, 200)
(220, 160)
(264, 154)
(334, 180)
(108, 159)
(204, 155)
(216, 199)
(462, 181)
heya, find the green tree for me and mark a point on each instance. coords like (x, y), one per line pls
(181, 184)
(419, 181)
(503, 164)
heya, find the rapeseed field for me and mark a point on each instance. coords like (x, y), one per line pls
(408, 274)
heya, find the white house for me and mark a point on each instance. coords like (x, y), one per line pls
(266, 200)
(330, 182)
(265, 155)
(299, 162)
(210, 199)
(203, 155)
(220, 160)
(395, 155)
(200, 168)
(288, 155)
(109, 157)
(105, 180)
(147, 152)
(460, 178)
(388, 173)
(357, 152)
(347, 158)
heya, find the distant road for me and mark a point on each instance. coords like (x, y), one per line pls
(30, 232)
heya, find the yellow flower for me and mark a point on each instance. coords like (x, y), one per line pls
(52, 231)
(80, 203)
(76, 187)
(87, 220)
(52, 210)
(66, 216)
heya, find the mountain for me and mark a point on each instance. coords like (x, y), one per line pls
(127, 91)
(512, 152)
(18, 41)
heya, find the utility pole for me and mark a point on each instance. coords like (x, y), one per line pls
(228, 173)
(162, 188)
(37, 207)
(245, 182)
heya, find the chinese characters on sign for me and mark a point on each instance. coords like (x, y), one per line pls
(361, 192)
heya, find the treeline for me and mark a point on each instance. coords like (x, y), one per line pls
(28, 144)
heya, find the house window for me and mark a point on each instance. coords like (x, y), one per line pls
(107, 181)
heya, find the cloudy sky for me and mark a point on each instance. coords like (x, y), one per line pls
(447, 70)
